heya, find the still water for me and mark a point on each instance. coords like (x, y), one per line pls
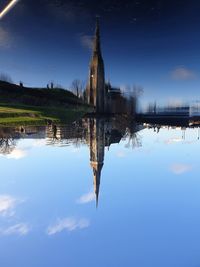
(100, 193)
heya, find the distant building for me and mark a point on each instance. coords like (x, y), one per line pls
(111, 90)
(115, 102)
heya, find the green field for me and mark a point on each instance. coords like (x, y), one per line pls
(29, 115)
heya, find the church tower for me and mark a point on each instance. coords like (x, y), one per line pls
(96, 81)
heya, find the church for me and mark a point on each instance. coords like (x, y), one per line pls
(100, 94)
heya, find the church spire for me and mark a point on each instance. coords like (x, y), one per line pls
(97, 41)
(95, 91)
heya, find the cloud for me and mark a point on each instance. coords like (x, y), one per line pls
(17, 154)
(86, 41)
(69, 224)
(121, 154)
(17, 229)
(182, 73)
(173, 140)
(8, 209)
(89, 197)
(180, 168)
(8, 205)
(5, 38)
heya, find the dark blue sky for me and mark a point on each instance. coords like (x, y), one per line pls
(151, 43)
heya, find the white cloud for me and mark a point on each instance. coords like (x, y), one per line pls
(8, 205)
(17, 154)
(8, 209)
(173, 140)
(69, 224)
(17, 229)
(86, 41)
(89, 197)
(5, 38)
(121, 154)
(182, 73)
(180, 168)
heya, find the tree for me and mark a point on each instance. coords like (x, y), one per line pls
(7, 141)
(5, 78)
(78, 87)
(132, 93)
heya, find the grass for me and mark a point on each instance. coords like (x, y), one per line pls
(30, 115)
(37, 106)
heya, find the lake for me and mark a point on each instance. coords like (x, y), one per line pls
(100, 192)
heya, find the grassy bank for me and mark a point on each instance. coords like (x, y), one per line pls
(29, 115)
(15, 94)
(38, 106)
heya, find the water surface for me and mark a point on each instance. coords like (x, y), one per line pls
(100, 193)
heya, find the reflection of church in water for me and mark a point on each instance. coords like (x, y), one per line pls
(101, 133)
(98, 133)
(96, 142)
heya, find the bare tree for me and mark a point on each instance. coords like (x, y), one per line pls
(7, 145)
(5, 78)
(134, 139)
(7, 141)
(132, 93)
(58, 86)
(78, 87)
